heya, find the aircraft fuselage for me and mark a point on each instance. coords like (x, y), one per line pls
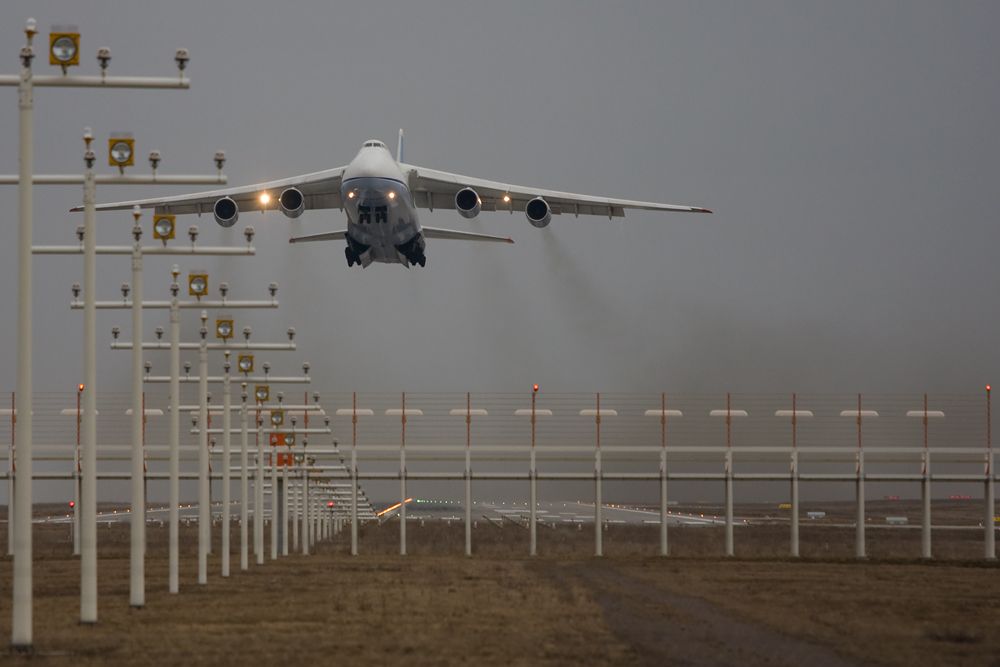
(382, 223)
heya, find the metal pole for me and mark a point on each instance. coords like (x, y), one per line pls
(294, 490)
(859, 538)
(227, 422)
(204, 484)
(306, 528)
(598, 496)
(402, 480)
(21, 620)
(275, 505)
(795, 481)
(76, 479)
(137, 575)
(533, 481)
(925, 488)
(11, 511)
(664, 551)
(174, 491)
(88, 489)
(468, 474)
(244, 483)
(284, 509)
(258, 506)
(729, 477)
(989, 543)
(354, 475)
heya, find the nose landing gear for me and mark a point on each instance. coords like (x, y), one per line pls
(413, 252)
(353, 252)
(352, 257)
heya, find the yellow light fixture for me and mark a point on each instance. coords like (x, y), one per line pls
(245, 363)
(197, 284)
(277, 417)
(262, 393)
(164, 226)
(121, 150)
(224, 328)
(64, 46)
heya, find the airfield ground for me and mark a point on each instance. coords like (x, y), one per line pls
(500, 607)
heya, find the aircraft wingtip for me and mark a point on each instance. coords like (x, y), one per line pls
(76, 209)
(703, 210)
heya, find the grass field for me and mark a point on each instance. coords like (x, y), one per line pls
(435, 606)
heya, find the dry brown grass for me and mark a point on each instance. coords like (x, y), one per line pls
(500, 607)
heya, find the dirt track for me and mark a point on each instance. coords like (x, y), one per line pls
(499, 607)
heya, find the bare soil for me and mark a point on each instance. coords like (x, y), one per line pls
(565, 607)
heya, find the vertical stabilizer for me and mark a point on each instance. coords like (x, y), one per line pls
(399, 147)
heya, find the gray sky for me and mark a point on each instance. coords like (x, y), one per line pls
(848, 149)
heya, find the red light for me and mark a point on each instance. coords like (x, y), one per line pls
(987, 387)
(79, 387)
(72, 504)
(330, 504)
(534, 387)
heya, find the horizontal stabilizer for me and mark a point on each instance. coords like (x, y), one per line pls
(433, 233)
(325, 236)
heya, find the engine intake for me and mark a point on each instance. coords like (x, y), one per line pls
(467, 203)
(292, 202)
(538, 212)
(226, 212)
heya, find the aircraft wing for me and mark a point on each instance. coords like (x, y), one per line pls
(321, 190)
(434, 233)
(436, 189)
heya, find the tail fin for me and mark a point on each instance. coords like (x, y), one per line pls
(399, 147)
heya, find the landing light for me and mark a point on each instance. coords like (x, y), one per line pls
(392, 195)
(265, 198)
(506, 199)
(350, 195)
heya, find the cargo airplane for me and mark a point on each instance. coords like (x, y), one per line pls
(380, 195)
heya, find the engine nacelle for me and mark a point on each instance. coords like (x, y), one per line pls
(467, 203)
(226, 212)
(538, 212)
(292, 202)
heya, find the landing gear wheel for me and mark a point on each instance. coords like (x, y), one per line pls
(352, 257)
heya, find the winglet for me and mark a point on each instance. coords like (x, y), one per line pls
(76, 209)
(701, 210)
(399, 147)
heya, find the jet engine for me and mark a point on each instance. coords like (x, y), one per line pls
(292, 202)
(467, 203)
(538, 212)
(226, 212)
